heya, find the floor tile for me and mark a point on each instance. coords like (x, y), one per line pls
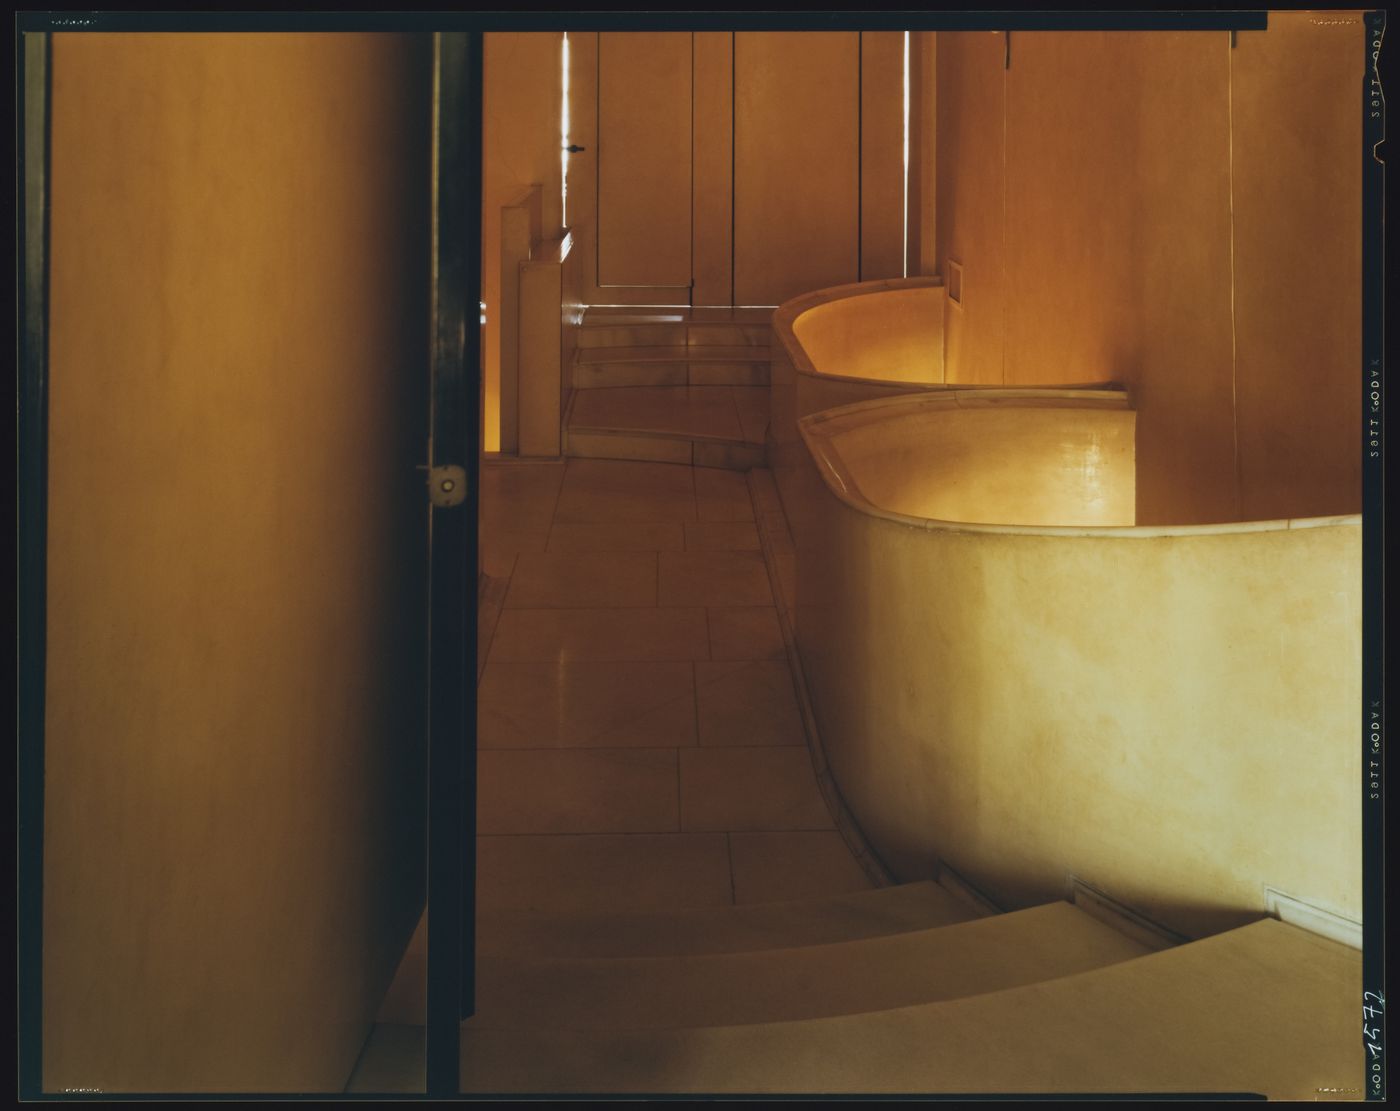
(721, 536)
(620, 490)
(639, 536)
(745, 633)
(684, 410)
(750, 789)
(771, 867)
(601, 634)
(610, 790)
(722, 495)
(544, 580)
(747, 702)
(603, 872)
(585, 703)
(713, 579)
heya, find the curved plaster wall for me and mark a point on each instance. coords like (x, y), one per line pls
(1011, 677)
(852, 343)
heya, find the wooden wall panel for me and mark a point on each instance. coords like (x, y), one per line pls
(1297, 186)
(234, 837)
(643, 158)
(881, 155)
(971, 199)
(1183, 389)
(1183, 216)
(1071, 228)
(522, 90)
(713, 167)
(796, 144)
(923, 154)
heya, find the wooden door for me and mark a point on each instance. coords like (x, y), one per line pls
(644, 163)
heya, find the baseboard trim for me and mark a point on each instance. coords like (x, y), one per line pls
(1307, 916)
(1123, 918)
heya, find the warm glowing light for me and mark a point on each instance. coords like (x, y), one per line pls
(906, 154)
(564, 133)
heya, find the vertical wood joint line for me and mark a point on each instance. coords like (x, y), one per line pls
(1234, 341)
(692, 169)
(1005, 159)
(1006, 52)
(733, 164)
(860, 155)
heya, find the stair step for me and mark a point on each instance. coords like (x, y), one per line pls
(697, 931)
(813, 981)
(1266, 1008)
(719, 365)
(680, 327)
(705, 426)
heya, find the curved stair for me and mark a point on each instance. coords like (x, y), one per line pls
(1266, 1008)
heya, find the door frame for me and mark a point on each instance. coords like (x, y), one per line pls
(455, 441)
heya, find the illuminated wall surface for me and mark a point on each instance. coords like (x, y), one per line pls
(1167, 211)
(233, 830)
(522, 88)
(1010, 678)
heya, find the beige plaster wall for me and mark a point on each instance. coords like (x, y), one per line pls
(1166, 715)
(1170, 211)
(234, 838)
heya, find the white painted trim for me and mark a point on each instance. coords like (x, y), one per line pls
(1307, 916)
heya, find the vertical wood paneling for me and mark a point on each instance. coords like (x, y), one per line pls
(713, 233)
(796, 149)
(234, 831)
(1183, 388)
(644, 152)
(971, 200)
(881, 155)
(520, 147)
(1297, 188)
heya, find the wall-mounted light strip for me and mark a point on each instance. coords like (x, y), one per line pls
(906, 154)
(564, 132)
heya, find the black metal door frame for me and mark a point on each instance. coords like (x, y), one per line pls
(455, 442)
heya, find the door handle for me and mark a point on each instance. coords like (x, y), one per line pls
(573, 148)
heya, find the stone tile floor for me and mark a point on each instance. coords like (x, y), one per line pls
(640, 741)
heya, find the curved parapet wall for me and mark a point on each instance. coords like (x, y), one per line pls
(1012, 678)
(853, 343)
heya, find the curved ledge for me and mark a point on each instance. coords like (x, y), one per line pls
(821, 432)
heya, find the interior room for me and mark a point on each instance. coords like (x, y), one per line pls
(916, 618)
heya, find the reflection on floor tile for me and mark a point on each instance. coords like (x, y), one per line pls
(721, 536)
(602, 872)
(601, 634)
(603, 536)
(616, 490)
(745, 633)
(543, 580)
(770, 788)
(770, 867)
(586, 704)
(722, 495)
(747, 702)
(713, 579)
(610, 790)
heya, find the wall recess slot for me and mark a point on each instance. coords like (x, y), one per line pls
(954, 282)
